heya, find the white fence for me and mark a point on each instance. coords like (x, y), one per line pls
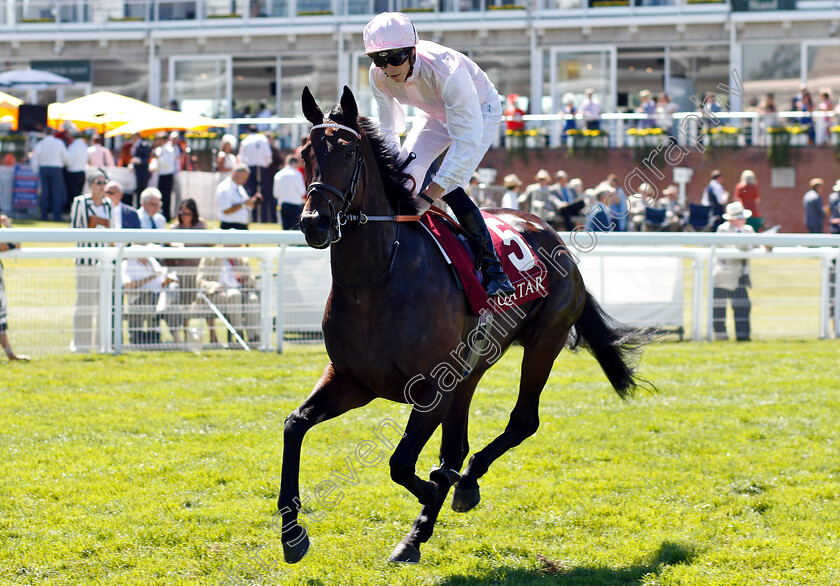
(642, 279)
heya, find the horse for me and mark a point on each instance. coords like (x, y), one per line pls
(395, 313)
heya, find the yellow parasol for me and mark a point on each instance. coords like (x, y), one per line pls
(166, 120)
(9, 109)
(101, 111)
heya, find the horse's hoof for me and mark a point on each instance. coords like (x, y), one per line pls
(444, 476)
(294, 551)
(405, 554)
(464, 500)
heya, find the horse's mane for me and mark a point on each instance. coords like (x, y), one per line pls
(388, 162)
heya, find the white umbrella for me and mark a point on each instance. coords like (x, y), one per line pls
(32, 79)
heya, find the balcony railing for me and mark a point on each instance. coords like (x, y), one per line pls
(56, 12)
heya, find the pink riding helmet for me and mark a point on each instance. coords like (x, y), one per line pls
(389, 30)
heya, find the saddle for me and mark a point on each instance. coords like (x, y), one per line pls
(525, 270)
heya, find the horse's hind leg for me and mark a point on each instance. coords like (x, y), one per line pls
(524, 421)
(333, 395)
(453, 450)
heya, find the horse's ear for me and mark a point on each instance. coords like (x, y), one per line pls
(348, 104)
(310, 107)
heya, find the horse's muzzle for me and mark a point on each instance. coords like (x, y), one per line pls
(316, 229)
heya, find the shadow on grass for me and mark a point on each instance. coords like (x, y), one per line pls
(553, 572)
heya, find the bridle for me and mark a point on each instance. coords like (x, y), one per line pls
(346, 197)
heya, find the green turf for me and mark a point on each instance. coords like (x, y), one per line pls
(164, 469)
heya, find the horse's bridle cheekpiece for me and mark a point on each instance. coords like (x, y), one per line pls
(347, 196)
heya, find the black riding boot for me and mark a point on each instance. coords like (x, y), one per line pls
(472, 220)
(497, 280)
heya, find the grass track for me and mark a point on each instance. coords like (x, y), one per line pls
(164, 469)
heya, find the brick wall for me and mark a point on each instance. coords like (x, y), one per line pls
(778, 205)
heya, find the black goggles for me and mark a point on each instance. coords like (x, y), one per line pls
(393, 57)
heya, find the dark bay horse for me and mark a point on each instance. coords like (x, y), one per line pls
(395, 314)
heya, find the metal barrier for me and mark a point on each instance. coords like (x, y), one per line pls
(640, 278)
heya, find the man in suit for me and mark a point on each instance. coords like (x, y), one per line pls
(567, 195)
(141, 152)
(122, 215)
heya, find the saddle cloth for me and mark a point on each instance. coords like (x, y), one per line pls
(524, 269)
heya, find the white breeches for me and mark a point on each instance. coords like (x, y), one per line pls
(428, 138)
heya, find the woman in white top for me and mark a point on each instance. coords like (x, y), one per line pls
(225, 159)
(459, 109)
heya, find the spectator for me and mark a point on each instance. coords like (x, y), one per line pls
(576, 184)
(77, 158)
(647, 106)
(49, 158)
(716, 197)
(834, 209)
(290, 192)
(225, 159)
(597, 216)
(122, 215)
(567, 196)
(767, 112)
(145, 281)
(513, 115)
(187, 268)
(4, 325)
(732, 278)
(826, 108)
(617, 204)
(569, 112)
(813, 207)
(590, 108)
(234, 203)
(230, 285)
(711, 104)
(746, 191)
(264, 112)
(255, 152)
(167, 155)
(665, 110)
(141, 154)
(510, 199)
(149, 212)
(806, 104)
(98, 155)
(538, 199)
(92, 210)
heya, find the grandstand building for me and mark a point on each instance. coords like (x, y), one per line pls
(223, 57)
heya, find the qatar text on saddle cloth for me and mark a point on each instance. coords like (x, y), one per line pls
(524, 269)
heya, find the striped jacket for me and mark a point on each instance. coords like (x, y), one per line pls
(80, 213)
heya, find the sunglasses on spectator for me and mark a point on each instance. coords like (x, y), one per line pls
(100, 182)
(111, 191)
(393, 57)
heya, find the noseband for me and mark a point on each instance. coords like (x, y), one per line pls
(347, 196)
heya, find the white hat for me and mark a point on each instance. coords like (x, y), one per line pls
(736, 211)
(836, 186)
(389, 30)
(512, 180)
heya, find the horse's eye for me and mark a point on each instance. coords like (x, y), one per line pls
(348, 153)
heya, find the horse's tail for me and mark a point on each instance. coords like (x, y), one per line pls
(616, 346)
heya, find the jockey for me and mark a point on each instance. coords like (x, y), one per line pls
(459, 109)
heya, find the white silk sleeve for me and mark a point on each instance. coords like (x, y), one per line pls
(465, 125)
(391, 114)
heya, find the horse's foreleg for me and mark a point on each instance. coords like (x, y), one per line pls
(453, 450)
(333, 395)
(524, 421)
(424, 419)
